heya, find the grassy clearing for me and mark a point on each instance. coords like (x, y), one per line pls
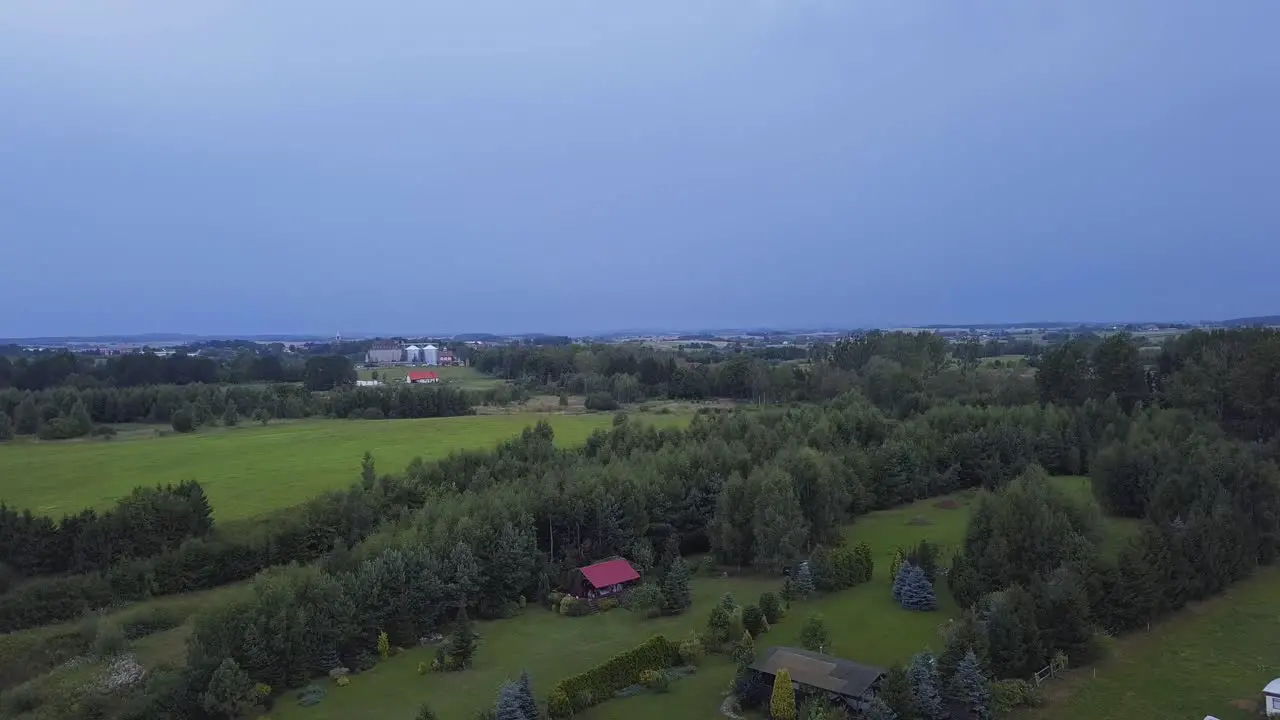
(249, 470)
(1211, 659)
(467, 378)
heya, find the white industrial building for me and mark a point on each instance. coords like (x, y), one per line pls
(384, 351)
(430, 355)
(413, 354)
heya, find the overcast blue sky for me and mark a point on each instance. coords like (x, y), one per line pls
(321, 166)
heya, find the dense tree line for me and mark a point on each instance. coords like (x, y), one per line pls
(53, 369)
(66, 412)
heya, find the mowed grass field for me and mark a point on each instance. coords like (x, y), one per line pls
(248, 470)
(466, 378)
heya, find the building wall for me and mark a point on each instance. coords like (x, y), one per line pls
(384, 356)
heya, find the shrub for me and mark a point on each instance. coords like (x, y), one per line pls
(707, 566)
(814, 635)
(109, 641)
(343, 681)
(183, 420)
(753, 620)
(23, 699)
(310, 695)
(599, 683)
(751, 690)
(607, 604)
(718, 626)
(655, 680)
(574, 607)
(771, 607)
(646, 600)
(1006, 695)
(692, 649)
(154, 620)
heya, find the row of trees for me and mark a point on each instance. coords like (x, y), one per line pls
(145, 523)
(67, 412)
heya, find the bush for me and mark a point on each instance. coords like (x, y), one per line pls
(1006, 695)
(154, 620)
(110, 640)
(751, 689)
(814, 635)
(574, 607)
(310, 695)
(692, 649)
(599, 683)
(656, 680)
(707, 566)
(184, 420)
(607, 604)
(753, 620)
(601, 401)
(646, 600)
(23, 699)
(771, 607)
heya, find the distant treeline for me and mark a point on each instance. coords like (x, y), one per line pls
(67, 412)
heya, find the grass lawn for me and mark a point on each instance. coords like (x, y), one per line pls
(467, 378)
(250, 469)
(1210, 659)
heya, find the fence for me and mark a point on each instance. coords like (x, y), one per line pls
(1058, 664)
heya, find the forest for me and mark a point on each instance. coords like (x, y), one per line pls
(1181, 446)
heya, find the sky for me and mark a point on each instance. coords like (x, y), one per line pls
(313, 166)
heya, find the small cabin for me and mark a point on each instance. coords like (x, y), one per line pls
(603, 579)
(1271, 698)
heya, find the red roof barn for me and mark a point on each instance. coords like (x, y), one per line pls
(419, 376)
(604, 578)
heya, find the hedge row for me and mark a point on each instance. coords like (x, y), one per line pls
(579, 692)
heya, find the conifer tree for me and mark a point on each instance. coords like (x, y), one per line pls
(926, 691)
(462, 642)
(230, 416)
(676, 597)
(81, 423)
(877, 709)
(814, 635)
(6, 427)
(895, 691)
(509, 705)
(426, 713)
(782, 703)
(718, 626)
(527, 701)
(770, 606)
(916, 592)
(970, 687)
(899, 579)
(744, 651)
(803, 584)
(230, 693)
(728, 603)
(368, 471)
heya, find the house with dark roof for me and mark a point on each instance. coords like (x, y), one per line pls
(817, 675)
(603, 579)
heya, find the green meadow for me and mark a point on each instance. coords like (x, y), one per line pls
(250, 469)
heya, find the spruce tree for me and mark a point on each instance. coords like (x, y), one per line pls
(970, 687)
(814, 635)
(771, 607)
(899, 579)
(676, 597)
(426, 713)
(803, 584)
(718, 626)
(6, 427)
(926, 691)
(753, 619)
(728, 603)
(782, 703)
(368, 472)
(527, 700)
(1013, 637)
(509, 705)
(462, 642)
(916, 592)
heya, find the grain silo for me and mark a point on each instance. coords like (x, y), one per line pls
(430, 355)
(413, 354)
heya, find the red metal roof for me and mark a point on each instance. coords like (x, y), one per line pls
(415, 376)
(609, 572)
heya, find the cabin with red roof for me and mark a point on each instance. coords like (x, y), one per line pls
(603, 579)
(419, 376)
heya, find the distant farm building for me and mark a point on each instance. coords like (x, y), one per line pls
(384, 351)
(603, 579)
(368, 383)
(416, 377)
(815, 675)
(413, 354)
(430, 355)
(447, 357)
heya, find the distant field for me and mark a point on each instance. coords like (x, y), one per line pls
(251, 469)
(467, 378)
